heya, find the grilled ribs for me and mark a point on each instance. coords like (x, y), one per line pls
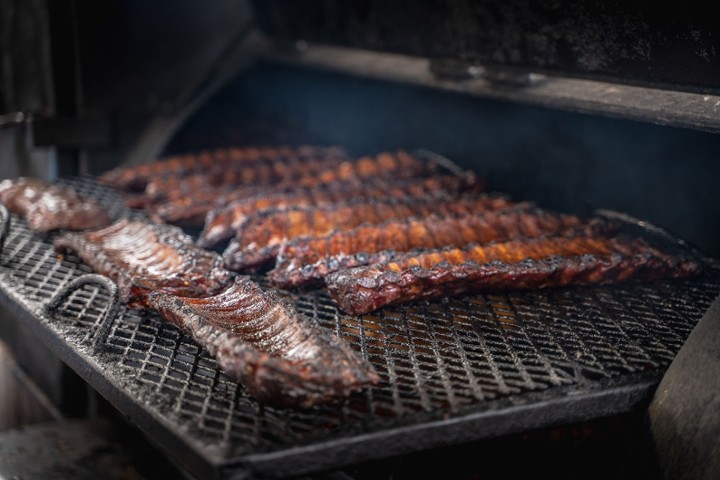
(136, 178)
(143, 257)
(300, 171)
(260, 173)
(185, 200)
(306, 261)
(259, 240)
(191, 210)
(280, 356)
(519, 264)
(222, 223)
(46, 207)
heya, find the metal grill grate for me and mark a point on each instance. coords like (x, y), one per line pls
(443, 361)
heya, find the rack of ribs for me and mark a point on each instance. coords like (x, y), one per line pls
(517, 264)
(223, 222)
(258, 241)
(170, 198)
(47, 207)
(302, 171)
(135, 178)
(306, 261)
(276, 353)
(145, 257)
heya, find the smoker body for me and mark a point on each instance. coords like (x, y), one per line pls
(575, 107)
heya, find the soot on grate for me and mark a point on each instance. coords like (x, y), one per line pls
(437, 359)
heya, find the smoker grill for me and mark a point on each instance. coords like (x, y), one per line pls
(453, 371)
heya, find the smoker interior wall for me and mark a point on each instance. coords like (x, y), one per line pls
(569, 161)
(649, 43)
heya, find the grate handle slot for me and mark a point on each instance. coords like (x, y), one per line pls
(4, 225)
(659, 233)
(441, 160)
(105, 322)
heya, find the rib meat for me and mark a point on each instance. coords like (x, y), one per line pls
(143, 257)
(299, 171)
(259, 240)
(46, 207)
(18, 195)
(191, 209)
(519, 264)
(136, 178)
(306, 261)
(186, 200)
(260, 173)
(222, 223)
(280, 356)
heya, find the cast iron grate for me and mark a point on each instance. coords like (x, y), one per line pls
(438, 360)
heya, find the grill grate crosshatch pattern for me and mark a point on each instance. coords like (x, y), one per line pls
(437, 360)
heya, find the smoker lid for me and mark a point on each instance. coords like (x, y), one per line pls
(655, 45)
(653, 63)
(452, 371)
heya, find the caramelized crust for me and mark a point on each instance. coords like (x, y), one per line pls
(184, 200)
(46, 207)
(190, 210)
(519, 264)
(279, 356)
(137, 177)
(144, 258)
(223, 222)
(306, 261)
(261, 173)
(301, 171)
(259, 240)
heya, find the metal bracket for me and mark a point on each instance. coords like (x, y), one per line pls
(72, 132)
(4, 225)
(105, 323)
(453, 69)
(62, 132)
(660, 233)
(512, 77)
(14, 119)
(441, 160)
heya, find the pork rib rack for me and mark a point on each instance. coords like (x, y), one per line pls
(144, 257)
(47, 207)
(306, 261)
(518, 264)
(279, 356)
(224, 221)
(258, 241)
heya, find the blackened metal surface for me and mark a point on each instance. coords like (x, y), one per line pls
(166, 56)
(650, 44)
(649, 104)
(452, 371)
(4, 225)
(684, 416)
(26, 83)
